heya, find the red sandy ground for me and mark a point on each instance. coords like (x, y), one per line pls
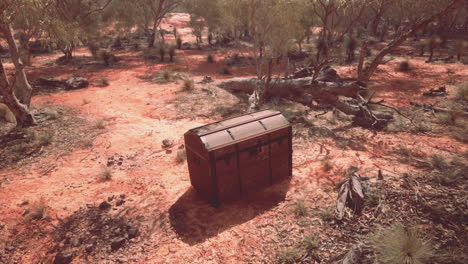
(139, 117)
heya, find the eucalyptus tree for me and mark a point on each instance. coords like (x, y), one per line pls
(16, 91)
(416, 15)
(146, 15)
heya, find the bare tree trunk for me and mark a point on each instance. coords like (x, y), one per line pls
(23, 90)
(261, 91)
(366, 74)
(19, 110)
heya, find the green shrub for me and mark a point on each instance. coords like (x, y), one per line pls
(403, 66)
(189, 85)
(46, 139)
(52, 115)
(179, 43)
(327, 214)
(288, 256)
(38, 210)
(327, 165)
(103, 82)
(106, 175)
(167, 76)
(311, 241)
(461, 91)
(300, 208)
(162, 53)
(399, 244)
(172, 53)
(448, 177)
(438, 162)
(210, 59)
(226, 71)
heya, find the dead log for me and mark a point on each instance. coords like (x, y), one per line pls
(342, 95)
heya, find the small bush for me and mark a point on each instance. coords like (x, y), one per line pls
(288, 256)
(422, 128)
(103, 82)
(162, 53)
(93, 48)
(438, 162)
(448, 177)
(328, 214)
(399, 244)
(106, 175)
(167, 76)
(100, 124)
(403, 66)
(181, 156)
(108, 57)
(85, 102)
(88, 144)
(300, 208)
(179, 43)
(226, 71)
(189, 85)
(46, 139)
(461, 92)
(311, 242)
(38, 210)
(445, 118)
(52, 115)
(372, 200)
(172, 53)
(327, 165)
(210, 59)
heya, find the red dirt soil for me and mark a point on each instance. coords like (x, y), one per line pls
(139, 116)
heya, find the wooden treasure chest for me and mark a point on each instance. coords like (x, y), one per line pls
(232, 158)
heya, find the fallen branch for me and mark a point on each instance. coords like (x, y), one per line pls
(427, 107)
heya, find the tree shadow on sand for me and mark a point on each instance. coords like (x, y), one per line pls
(195, 220)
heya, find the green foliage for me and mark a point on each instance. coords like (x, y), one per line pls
(179, 43)
(188, 85)
(46, 139)
(403, 66)
(461, 91)
(300, 208)
(327, 165)
(172, 53)
(162, 52)
(106, 175)
(226, 70)
(327, 214)
(102, 82)
(38, 210)
(311, 242)
(399, 244)
(438, 162)
(288, 256)
(210, 58)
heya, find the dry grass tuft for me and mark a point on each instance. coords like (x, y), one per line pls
(300, 208)
(288, 256)
(189, 85)
(106, 175)
(400, 244)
